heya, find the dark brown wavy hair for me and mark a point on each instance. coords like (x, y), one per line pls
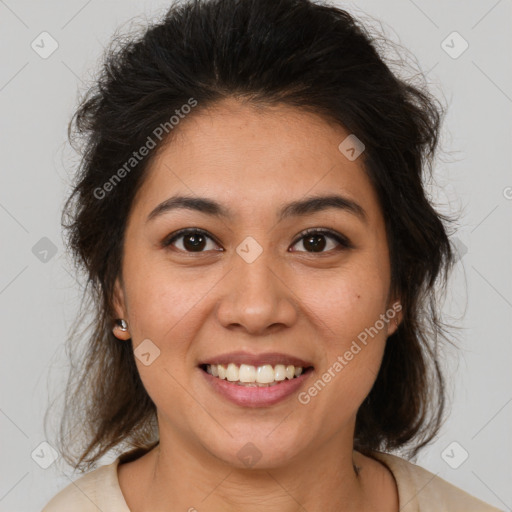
(311, 56)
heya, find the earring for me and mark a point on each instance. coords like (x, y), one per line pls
(121, 323)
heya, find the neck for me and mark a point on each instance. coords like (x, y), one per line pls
(326, 479)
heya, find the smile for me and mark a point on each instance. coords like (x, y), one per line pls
(255, 385)
(254, 376)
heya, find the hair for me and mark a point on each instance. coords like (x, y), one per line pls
(311, 56)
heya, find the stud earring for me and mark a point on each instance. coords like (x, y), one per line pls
(121, 323)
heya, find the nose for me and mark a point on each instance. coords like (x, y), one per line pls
(256, 297)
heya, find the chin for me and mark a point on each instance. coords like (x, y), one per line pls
(257, 447)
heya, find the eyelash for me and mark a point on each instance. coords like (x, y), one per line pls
(343, 241)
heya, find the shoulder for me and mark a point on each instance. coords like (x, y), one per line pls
(420, 490)
(97, 490)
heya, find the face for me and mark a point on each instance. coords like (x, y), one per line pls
(252, 288)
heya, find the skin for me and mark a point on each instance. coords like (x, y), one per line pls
(195, 305)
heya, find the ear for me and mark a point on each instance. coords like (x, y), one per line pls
(394, 314)
(119, 300)
(120, 311)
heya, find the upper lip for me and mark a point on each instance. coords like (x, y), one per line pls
(271, 358)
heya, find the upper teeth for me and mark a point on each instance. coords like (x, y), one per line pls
(248, 373)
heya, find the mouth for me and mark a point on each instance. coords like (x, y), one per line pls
(249, 375)
(249, 380)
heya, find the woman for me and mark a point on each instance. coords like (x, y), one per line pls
(263, 259)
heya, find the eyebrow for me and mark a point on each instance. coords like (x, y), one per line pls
(300, 207)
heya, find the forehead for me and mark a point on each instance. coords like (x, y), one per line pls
(248, 157)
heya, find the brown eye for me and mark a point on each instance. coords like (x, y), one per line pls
(314, 240)
(192, 240)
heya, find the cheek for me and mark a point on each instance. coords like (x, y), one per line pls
(162, 299)
(164, 309)
(349, 301)
(349, 309)
(163, 312)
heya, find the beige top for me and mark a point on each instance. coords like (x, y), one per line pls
(418, 491)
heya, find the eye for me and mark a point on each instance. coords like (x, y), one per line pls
(314, 239)
(194, 239)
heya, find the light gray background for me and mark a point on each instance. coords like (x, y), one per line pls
(38, 300)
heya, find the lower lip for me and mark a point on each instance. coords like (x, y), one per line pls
(254, 396)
